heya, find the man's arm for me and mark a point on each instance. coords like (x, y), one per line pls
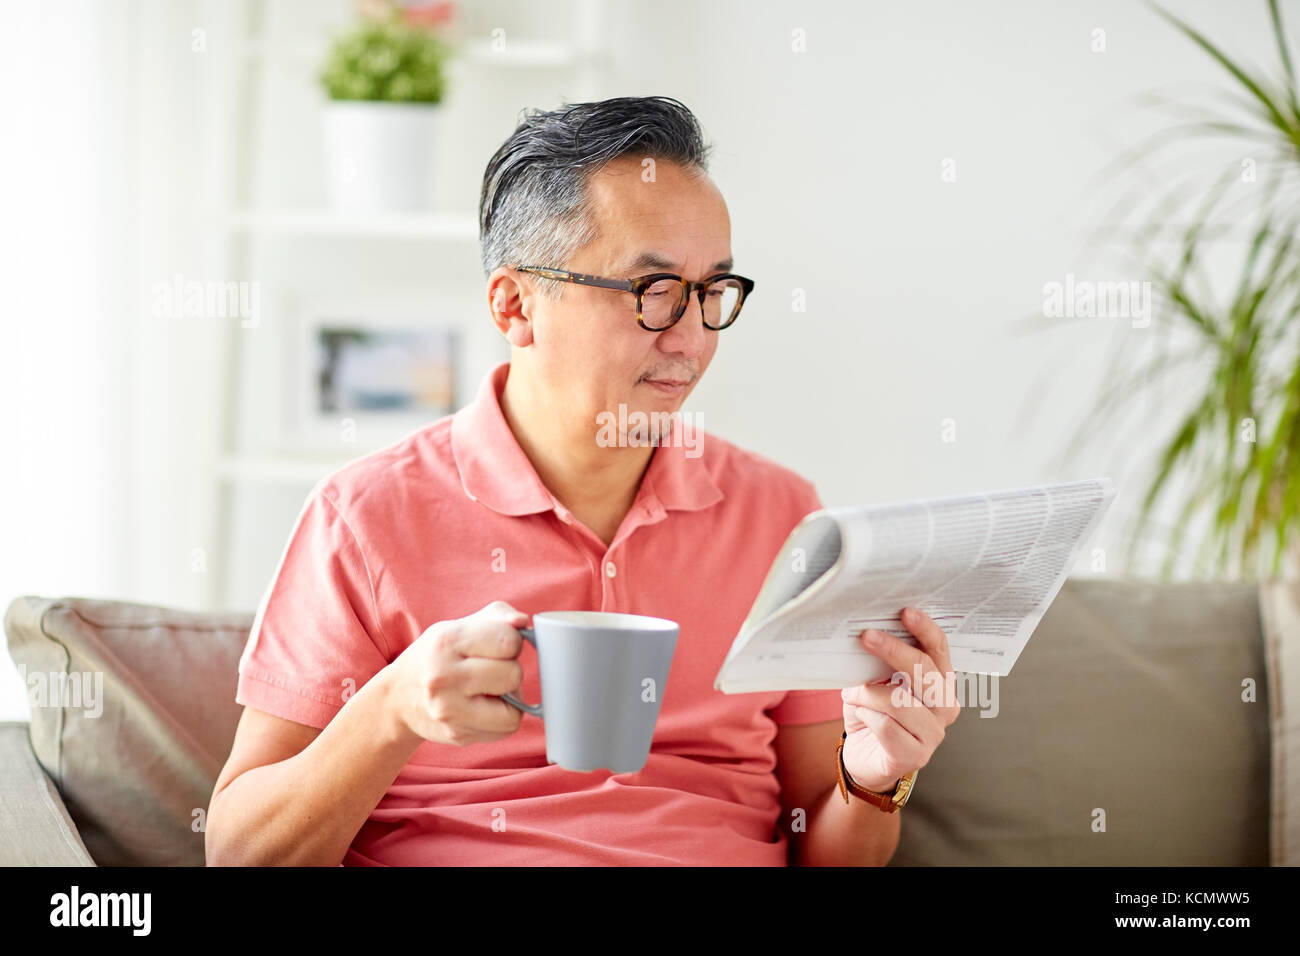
(292, 795)
(835, 834)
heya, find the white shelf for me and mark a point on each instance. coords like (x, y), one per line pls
(440, 227)
(523, 53)
(513, 53)
(278, 471)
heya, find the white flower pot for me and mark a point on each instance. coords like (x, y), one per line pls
(379, 156)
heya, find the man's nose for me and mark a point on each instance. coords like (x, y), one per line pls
(688, 336)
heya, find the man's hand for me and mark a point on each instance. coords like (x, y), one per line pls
(447, 684)
(894, 726)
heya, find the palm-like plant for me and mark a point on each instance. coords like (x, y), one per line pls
(1238, 445)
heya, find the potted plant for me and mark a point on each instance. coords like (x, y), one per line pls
(385, 80)
(1236, 442)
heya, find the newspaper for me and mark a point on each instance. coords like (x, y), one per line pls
(984, 566)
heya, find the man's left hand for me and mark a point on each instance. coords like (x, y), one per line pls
(895, 725)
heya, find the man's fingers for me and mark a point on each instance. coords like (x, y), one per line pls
(491, 632)
(898, 704)
(484, 675)
(931, 636)
(902, 746)
(933, 683)
(491, 716)
(895, 652)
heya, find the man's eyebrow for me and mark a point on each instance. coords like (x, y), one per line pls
(654, 261)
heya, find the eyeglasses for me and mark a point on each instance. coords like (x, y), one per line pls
(661, 298)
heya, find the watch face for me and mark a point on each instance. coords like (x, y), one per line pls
(904, 792)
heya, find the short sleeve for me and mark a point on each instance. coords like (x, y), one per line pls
(315, 639)
(807, 706)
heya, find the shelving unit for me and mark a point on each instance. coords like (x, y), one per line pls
(242, 231)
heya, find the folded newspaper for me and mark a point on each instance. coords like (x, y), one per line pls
(985, 567)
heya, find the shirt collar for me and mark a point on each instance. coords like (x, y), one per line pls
(494, 469)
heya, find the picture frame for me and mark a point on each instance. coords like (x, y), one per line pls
(367, 373)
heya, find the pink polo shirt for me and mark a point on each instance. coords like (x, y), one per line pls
(453, 517)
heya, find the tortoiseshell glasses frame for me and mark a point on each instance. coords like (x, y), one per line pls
(638, 286)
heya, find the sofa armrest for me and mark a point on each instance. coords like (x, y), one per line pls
(35, 829)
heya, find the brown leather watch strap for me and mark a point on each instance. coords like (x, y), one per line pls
(882, 801)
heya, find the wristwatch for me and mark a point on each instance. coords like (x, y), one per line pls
(888, 802)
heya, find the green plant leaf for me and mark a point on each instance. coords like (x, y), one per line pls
(1250, 83)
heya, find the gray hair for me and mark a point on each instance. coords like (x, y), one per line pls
(534, 208)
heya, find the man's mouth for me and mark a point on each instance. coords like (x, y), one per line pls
(667, 386)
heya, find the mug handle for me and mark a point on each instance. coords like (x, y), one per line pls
(535, 709)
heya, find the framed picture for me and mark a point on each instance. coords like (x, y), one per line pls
(369, 374)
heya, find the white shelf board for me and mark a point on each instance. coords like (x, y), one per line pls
(443, 227)
(518, 53)
(277, 471)
(523, 53)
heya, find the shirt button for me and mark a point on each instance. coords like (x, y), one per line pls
(610, 570)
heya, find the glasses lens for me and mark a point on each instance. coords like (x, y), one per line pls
(721, 302)
(660, 302)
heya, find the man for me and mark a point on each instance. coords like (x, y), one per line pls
(374, 731)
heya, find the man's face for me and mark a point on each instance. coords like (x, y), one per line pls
(588, 346)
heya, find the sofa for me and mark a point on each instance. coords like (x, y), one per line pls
(1145, 724)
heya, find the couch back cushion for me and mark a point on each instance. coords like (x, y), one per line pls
(1121, 738)
(133, 716)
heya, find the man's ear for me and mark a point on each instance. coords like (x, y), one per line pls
(510, 305)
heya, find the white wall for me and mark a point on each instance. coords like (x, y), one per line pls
(831, 164)
(65, 487)
(830, 161)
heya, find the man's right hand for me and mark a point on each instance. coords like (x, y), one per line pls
(447, 684)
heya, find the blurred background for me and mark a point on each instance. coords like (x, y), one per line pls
(995, 245)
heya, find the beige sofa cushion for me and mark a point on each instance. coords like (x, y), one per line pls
(36, 827)
(134, 763)
(1127, 700)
